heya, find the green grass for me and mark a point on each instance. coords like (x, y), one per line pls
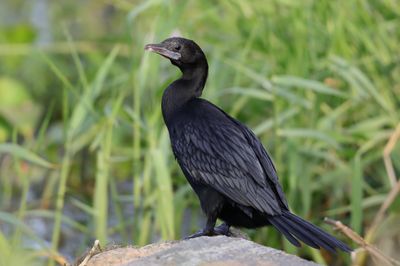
(318, 81)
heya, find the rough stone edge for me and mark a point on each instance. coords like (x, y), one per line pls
(157, 253)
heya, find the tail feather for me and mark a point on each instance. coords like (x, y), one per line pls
(314, 229)
(316, 238)
(277, 223)
(305, 231)
(294, 231)
(306, 237)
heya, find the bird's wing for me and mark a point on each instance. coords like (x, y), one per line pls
(220, 154)
(265, 161)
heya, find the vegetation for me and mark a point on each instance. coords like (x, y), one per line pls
(84, 152)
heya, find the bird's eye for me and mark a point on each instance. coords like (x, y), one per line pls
(177, 47)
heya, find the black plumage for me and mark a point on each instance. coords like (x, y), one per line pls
(224, 162)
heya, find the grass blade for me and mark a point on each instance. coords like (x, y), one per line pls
(25, 154)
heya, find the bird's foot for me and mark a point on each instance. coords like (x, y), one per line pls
(222, 229)
(199, 233)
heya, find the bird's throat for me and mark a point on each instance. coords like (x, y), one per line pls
(181, 91)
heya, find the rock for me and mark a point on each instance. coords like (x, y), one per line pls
(217, 250)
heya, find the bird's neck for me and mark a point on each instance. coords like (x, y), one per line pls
(179, 92)
(197, 78)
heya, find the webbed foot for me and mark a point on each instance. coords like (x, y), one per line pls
(199, 234)
(222, 229)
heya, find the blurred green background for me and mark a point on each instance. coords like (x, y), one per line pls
(84, 153)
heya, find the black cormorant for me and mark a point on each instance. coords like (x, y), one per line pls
(224, 162)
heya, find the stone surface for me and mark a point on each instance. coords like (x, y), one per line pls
(217, 250)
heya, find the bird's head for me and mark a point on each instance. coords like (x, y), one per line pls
(183, 53)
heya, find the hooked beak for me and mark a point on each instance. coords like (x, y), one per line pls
(161, 50)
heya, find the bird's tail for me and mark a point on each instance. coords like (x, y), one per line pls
(295, 228)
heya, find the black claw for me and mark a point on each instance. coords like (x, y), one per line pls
(199, 234)
(222, 229)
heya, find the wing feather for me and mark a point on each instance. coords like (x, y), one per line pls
(220, 154)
